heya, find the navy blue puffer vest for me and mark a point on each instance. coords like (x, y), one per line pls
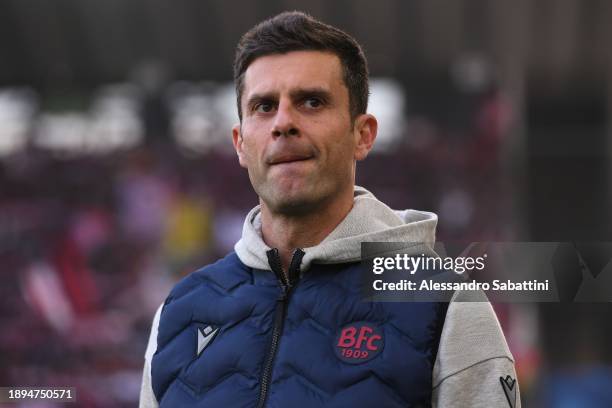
(233, 336)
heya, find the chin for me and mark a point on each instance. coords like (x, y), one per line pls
(292, 203)
(299, 205)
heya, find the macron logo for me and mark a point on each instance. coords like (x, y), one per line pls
(509, 386)
(206, 334)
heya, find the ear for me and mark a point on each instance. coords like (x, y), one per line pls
(237, 140)
(366, 128)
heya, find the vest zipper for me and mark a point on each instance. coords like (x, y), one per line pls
(286, 283)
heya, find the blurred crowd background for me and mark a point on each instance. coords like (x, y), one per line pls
(117, 174)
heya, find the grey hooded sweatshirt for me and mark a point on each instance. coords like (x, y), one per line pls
(473, 368)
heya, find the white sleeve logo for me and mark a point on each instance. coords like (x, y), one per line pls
(205, 336)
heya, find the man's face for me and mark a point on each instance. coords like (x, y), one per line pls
(296, 138)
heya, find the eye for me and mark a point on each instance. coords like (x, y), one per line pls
(264, 107)
(312, 103)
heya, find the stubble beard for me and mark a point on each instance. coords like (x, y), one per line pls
(298, 204)
(310, 199)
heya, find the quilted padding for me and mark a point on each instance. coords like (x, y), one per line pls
(306, 370)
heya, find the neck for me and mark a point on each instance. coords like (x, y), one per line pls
(288, 232)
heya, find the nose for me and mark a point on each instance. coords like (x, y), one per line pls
(284, 121)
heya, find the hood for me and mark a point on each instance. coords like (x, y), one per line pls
(370, 220)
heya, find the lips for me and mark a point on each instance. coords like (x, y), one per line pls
(288, 158)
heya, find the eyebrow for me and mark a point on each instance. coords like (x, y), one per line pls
(296, 94)
(309, 92)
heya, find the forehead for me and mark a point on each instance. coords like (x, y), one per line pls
(297, 69)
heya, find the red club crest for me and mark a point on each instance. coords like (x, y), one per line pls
(359, 342)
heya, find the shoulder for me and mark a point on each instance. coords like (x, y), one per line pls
(194, 290)
(471, 334)
(473, 357)
(225, 273)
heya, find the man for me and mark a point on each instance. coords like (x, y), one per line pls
(271, 324)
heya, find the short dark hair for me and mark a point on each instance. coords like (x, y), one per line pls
(297, 31)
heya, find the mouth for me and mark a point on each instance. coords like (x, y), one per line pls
(288, 159)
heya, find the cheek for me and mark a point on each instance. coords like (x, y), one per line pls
(253, 158)
(342, 147)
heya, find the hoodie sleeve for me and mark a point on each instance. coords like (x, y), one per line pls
(147, 397)
(474, 367)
